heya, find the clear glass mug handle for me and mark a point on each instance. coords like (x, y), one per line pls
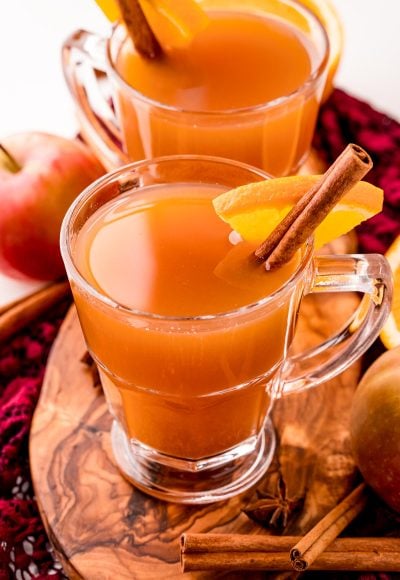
(83, 61)
(368, 274)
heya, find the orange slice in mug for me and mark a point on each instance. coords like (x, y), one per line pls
(326, 12)
(254, 210)
(174, 22)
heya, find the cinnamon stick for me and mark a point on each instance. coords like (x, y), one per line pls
(254, 552)
(299, 224)
(311, 546)
(25, 311)
(138, 28)
(342, 560)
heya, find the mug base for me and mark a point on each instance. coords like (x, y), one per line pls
(195, 482)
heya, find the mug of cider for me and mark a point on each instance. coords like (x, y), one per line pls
(247, 88)
(191, 361)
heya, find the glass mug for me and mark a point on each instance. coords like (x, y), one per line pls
(190, 421)
(274, 135)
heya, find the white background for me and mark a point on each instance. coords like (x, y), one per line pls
(33, 95)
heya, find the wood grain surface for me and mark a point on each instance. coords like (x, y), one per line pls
(102, 527)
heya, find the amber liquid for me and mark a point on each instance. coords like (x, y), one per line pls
(240, 60)
(187, 388)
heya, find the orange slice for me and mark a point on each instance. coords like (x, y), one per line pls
(110, 9)
(326, 12)
(390, 334)
(254, 210)
(174, 22)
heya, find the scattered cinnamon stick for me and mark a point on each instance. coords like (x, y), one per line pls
(210, 543)
(299, 224)
(25, 311)
(218, 552)
(138, 28)
(311, 546)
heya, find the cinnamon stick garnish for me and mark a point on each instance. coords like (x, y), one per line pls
(25, 311)
(220, 552)
(299, 224)
(311, 546)
(138, 28)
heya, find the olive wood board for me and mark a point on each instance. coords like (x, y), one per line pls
(102, 527)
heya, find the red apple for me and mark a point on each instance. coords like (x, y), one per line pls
(40, 176)
(375, 427)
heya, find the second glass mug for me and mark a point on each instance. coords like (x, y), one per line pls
(200, 431)
(274, 135)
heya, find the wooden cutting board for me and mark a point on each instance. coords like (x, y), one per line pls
(102, 527)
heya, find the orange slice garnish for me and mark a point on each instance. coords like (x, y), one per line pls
(326, 12)
(254, 210)
(173, 22)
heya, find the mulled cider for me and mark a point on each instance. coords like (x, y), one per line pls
(190, 333)
(188, 379)
(248, 87)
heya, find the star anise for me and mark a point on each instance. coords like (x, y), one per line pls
(274, 510)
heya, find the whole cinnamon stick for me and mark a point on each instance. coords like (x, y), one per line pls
(309, 548)
(207, 543)
(22, 313)
(256, 552)
(299, 224)
(138, 28)
(339, 560)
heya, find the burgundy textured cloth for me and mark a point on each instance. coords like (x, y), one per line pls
(344, 120)
(24, 549)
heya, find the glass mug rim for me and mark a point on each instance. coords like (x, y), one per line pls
(313, 77)
(89, 192)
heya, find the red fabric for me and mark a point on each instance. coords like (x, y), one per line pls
(344, 120)
(24, 548)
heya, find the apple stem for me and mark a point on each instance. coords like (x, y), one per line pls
(7, 161)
